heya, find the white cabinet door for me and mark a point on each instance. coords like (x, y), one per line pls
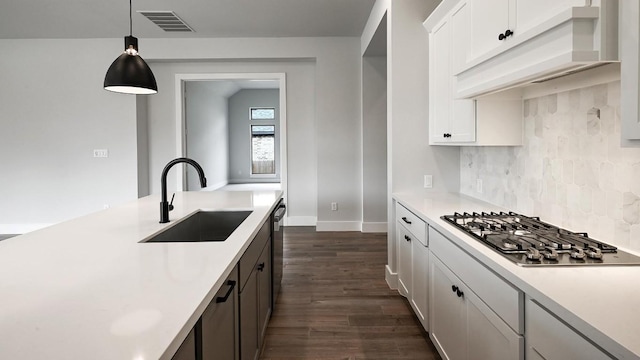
(439, 83)
(489, 336)
(450, 120)
(549, 338)
(419, 288)
(488, 19)
(446, 312)
(403, 240)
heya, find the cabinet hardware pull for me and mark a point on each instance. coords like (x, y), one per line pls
(501, 37)
(220, 299)
(454, 288)
(261, 267)
(508, 33)
(406, 237)
(459, 293)
(405, 220)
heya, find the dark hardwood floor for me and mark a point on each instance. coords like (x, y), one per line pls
(335, 303)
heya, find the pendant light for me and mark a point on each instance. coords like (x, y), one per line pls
(129, 74)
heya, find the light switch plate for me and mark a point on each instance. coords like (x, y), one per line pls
(100, 153)
(428, 181)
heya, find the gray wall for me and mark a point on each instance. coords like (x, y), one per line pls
(374, 137)
(207, 140)
(302, 169)
(240, 129)
(53, 113)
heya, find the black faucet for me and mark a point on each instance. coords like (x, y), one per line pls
(165, 207)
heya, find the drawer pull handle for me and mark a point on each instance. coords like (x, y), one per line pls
(406, 237)
(457, 290)
(261, 267)
(221, 299)
(454, 288)
(404, 218)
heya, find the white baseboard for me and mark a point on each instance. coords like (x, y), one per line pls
(21, 228)
(391, 278)
(338, 226)
(300, 221)
(374, 227)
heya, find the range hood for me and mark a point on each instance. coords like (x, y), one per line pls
(574, 40)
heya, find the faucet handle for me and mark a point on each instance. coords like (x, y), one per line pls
(171, 203)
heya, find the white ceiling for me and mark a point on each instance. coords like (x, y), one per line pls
(23, 19)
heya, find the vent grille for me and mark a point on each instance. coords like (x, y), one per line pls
(167, 21)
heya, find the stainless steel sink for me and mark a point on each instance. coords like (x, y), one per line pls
(203, 226)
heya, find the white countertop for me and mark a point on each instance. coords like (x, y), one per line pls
(87, 289)
(602, 302)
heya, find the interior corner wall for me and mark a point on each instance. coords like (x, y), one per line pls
(408, 59)
(374, 138)
(53, 113)
(207, 135)
(240, 133)
(142, 134)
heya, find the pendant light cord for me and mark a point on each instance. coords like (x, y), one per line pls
(130, 19)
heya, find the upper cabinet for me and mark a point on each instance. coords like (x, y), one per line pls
(630, 69)
(494, 120)
(512, 42)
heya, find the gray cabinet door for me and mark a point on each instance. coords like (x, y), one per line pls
(264, 288)
(220, 323)
(187, 350)
(249, 318)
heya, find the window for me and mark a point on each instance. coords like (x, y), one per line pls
(263, 114)
(263, 145)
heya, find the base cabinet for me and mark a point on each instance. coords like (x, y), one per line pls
(420, 282)
(255, 295)
(187, 350)
(462, 325)
(219, 323)
(549, 338)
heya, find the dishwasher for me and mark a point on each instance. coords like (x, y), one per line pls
(277, 260)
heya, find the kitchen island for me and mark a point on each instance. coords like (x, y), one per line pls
(598, 302)
(89, 288)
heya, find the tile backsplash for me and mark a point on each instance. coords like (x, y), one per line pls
(571, 170)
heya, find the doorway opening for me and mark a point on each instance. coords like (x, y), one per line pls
(235, 123)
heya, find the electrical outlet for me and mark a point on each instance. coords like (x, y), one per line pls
(100, 153)
(428, 181)
(334, 206)
(479, 186)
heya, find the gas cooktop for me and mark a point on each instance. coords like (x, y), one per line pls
(528, 241)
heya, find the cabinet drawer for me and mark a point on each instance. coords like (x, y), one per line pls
(251, 255)
(550, 338)
(411, 222)
(504, 299)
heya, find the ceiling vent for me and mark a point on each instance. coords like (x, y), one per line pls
(167, 21)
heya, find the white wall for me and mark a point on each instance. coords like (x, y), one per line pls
(302, 185)
(207, 139)
(240, 130)
(53, 113)
(374, 137)
(409, 157)
(323, 130)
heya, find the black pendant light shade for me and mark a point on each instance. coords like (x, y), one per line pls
(129, 74)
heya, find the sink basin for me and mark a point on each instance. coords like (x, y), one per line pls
(203, 226)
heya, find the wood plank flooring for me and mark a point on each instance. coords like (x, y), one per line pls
(335, 303)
